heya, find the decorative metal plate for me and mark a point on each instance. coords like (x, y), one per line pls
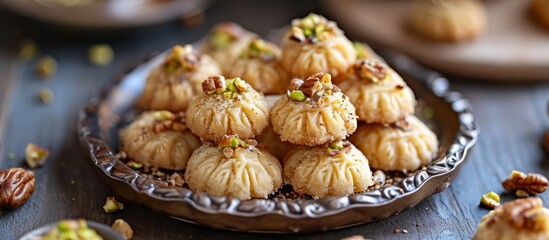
(100, 120)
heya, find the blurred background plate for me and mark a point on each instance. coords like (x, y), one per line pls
(512, 48)
(106, 13)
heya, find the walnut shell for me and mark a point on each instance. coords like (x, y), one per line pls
(16, 187)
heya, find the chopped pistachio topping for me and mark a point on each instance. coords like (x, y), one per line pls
(71, 229)
(490, 200)
(168, 121)
(313, 28)
(231, 141)
(221, 39)
(46, 66)
(261, 50)
(111, 205)
(228, 88)
(45, 95)
(313, 88)
(370, 70)
(134, 165)
(100, 54)
(182, 58)
(362, 51)
(36, 156)
(336, 147)
(28, 50)
(297, 95)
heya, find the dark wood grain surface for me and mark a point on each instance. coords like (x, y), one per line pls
(512, 119)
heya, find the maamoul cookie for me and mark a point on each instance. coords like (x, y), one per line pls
(540, 11)
(336, 169)
(404, 146)
(159, 139)
(225, 107)
(172, 84)
(314, 112)
(271, 142)
(259, 65)
(314, 44)
(447, 20)
(378, 93)
(524, 218)
(234, 168)
(225, 42)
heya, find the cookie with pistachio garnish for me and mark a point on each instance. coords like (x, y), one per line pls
(172, 84)
(233, 168)
(314, 112)
(447, 20)
(227, 106)
(314, 44)
(259, 64)
(333, 169)
(402, 146)
(225, 43)
(159, 139)
(378, 92)
(524, 218)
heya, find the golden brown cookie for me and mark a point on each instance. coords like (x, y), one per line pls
(226, 107)
(159, 139)
(378, 93)
(171, 85)
(225, 42)
(403, 146)
(524, 218)
(259, 65)
(337, 169)
(447, 20)
(314, 112)
(314, 44)
(540, 11)
(233, 168)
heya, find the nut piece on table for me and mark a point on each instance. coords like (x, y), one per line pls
(45, 95)
(36, 156)
(123, 228)
(16, 185)
(100, 54)
(490, 200)
(532, 183)
(112, 206)
(46, 67)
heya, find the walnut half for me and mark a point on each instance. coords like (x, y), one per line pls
(532, 183)
(16, 187)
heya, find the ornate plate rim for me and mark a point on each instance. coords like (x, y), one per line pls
(466, 136)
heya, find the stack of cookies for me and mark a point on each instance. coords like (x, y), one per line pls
(226, 116)
(316, 116)
(390, 135)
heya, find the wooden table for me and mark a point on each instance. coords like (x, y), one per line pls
(512, 119)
